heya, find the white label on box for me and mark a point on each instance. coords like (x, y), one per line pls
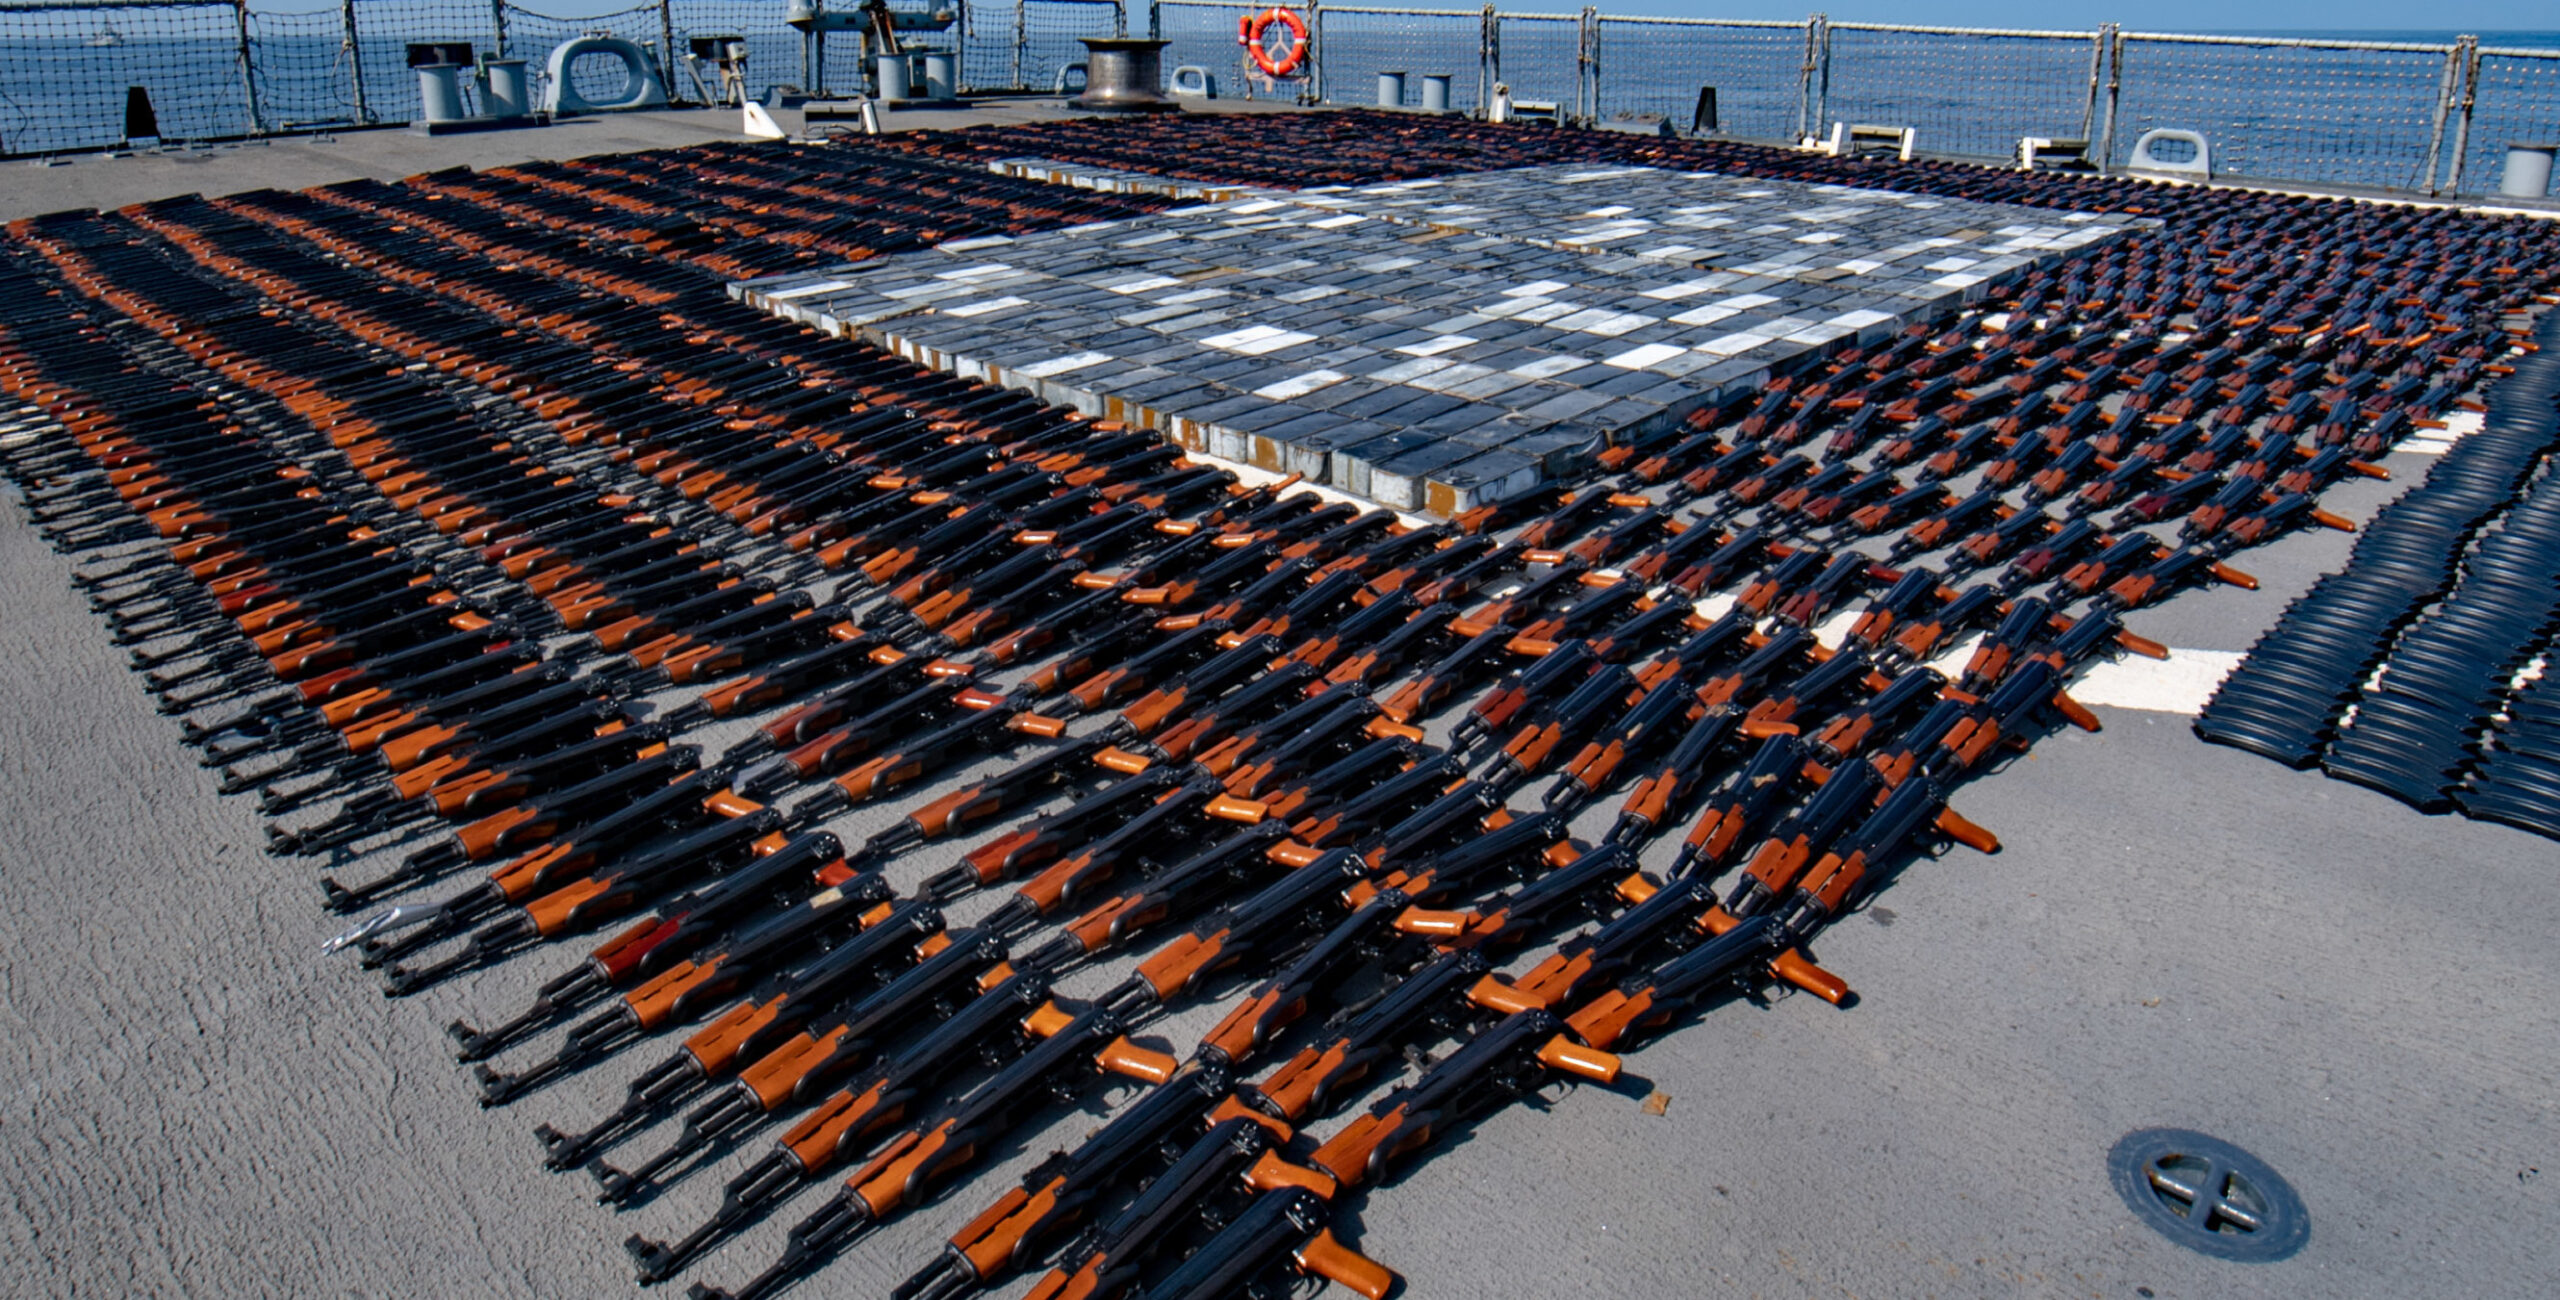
(823, 286)
(1650, 354)
(1300, 385)
(982, 308)
(1061, 365)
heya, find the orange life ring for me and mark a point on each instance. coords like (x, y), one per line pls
(1249, 34)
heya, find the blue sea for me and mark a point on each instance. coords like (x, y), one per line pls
(2355, 117)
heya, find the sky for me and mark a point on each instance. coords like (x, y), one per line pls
(2152, 15)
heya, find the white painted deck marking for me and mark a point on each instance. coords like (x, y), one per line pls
(2180, 684)
(2458, 425)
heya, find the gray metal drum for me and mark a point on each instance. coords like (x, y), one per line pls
(504, 89)
(2528, 173)
(440, 92)
(1124, 75)
(941, 75)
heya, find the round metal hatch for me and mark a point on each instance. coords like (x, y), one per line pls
(2208, 1195)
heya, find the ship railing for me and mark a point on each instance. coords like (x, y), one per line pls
(2396, 117)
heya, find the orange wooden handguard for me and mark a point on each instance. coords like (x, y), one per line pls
(900, 1169)
(653, 1002)
(823, 1134)
(1250, 1024)
(989, 1241)
(714, 1047)
(554, 911)
(774, 1076)
(1172, 968)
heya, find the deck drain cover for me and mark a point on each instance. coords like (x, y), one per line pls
(2208, 1195)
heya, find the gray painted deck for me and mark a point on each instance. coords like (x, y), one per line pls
(198, 1104)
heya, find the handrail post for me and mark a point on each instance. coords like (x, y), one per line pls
(2097, 76)
(355, 62)
(1155, 20)
(1314, 91)
(1586, 82)
(1804, 80)
(2470, 56)
(1021, 34)
(1488, 59)
(2446, 87)
(498, 25)
(668, 57)
(1822, 75)
(2115, 92)
(248, 66)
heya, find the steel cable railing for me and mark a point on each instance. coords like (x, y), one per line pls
(304, 65)
(1539, 56)
(66, 70)
(1649, 65)
(1968, 93)
(1361, 42)
(2406, 117)
(1202, 33)
(2357, 113)
(2511, 94)
(1047, 34)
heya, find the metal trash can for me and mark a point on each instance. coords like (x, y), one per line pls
(504, 91)
(1435, 92)
(2528, 172)
(1390, 90)
(440, 92)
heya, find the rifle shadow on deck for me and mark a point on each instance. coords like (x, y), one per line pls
(1933, 843)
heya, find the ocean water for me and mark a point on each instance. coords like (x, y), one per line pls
(2354, 117)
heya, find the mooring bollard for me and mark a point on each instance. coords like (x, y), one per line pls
(941, 75)
(1124, 75)
(1435, 92)
(1390, 90)
(440, 92)
(503, 89)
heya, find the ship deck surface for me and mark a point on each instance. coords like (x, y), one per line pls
(2173, 935)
